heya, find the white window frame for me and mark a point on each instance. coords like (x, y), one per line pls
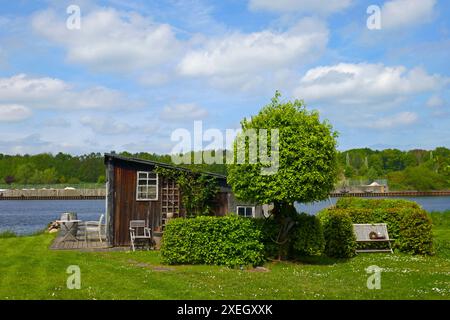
(245, 207)
(147, 179)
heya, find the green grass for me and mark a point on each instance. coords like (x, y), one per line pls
(29, 270)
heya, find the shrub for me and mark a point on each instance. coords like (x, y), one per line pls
(308, 239)
(304, 239)
(408, 224)
(338, 233)
(415, 234)
(361, 203)
(269, 232)
(231, 241)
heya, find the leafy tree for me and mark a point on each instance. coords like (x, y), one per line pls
(10, 180)
(307, 160)
(101, 180)
(25, 172)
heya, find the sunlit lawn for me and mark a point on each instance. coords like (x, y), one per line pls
(29, 270)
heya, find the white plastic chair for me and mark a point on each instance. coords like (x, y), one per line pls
(94, 226)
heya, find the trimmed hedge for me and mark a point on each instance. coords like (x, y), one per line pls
(269, 232)
(231, 241)
(338, 233)
(304, 239)
(308, 239)
(408, 224)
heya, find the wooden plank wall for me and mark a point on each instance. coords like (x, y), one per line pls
(127, 207)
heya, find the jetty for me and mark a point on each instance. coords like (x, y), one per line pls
(392, 194)
(53, 194)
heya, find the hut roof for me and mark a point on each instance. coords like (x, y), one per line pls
(111, 156)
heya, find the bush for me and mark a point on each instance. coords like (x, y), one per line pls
(361, 203)
(416, 235)
(408, 224)
(269, 232)
(308, 239)
(338, 233)
(231, 241)
(304, 239)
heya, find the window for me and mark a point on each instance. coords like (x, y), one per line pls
(147, 186)
(245, 211)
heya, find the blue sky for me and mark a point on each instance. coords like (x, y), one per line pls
(137, 70)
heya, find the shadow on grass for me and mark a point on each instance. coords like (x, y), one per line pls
(313, 260)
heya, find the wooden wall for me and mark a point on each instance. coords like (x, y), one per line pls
(125, 207)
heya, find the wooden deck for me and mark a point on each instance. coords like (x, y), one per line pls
(82, 245)
(92, 244)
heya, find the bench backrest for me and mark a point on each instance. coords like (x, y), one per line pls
(362, 231)
(137, 224)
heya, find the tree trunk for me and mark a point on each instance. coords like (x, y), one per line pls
(283, 213)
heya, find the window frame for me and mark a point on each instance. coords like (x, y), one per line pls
(147, 185)
(246, 207)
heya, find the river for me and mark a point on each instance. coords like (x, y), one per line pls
(25, 217)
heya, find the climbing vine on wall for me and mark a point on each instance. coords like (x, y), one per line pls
(198, 191)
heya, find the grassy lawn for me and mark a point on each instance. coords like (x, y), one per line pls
(29, 270)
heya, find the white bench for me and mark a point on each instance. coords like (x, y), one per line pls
(369, 233)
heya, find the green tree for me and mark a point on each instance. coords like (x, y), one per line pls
(49, 176)
(25, 172)
(307, 160)
(101, 180)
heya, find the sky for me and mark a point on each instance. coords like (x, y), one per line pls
(127, 74)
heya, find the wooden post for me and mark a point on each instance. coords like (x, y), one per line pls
(110, 198)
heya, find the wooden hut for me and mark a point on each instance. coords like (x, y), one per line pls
(136, 192)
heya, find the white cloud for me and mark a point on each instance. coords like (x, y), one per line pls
(110, 40)
(56, 123)
(240, 54)
(364, 83)
(304, 6)
(435, 102)
(105, 125)
(188, 111)
(406, 13)
(438, 106)
(400, 119)
(52, 93)
(14, 112)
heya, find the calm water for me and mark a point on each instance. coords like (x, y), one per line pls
(428, 203)
(25, 217)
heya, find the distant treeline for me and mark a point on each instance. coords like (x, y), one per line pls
(417, 169)
(404, 170)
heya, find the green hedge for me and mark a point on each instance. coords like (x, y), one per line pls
(269, 230)
(308, 238)
(338, 233)
(408, 224)
(304, 239)
(362, 203)
(231, 241)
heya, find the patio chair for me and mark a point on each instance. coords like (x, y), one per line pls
(93, 227)
(139, 232)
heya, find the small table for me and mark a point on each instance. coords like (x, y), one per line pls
(68, 225)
